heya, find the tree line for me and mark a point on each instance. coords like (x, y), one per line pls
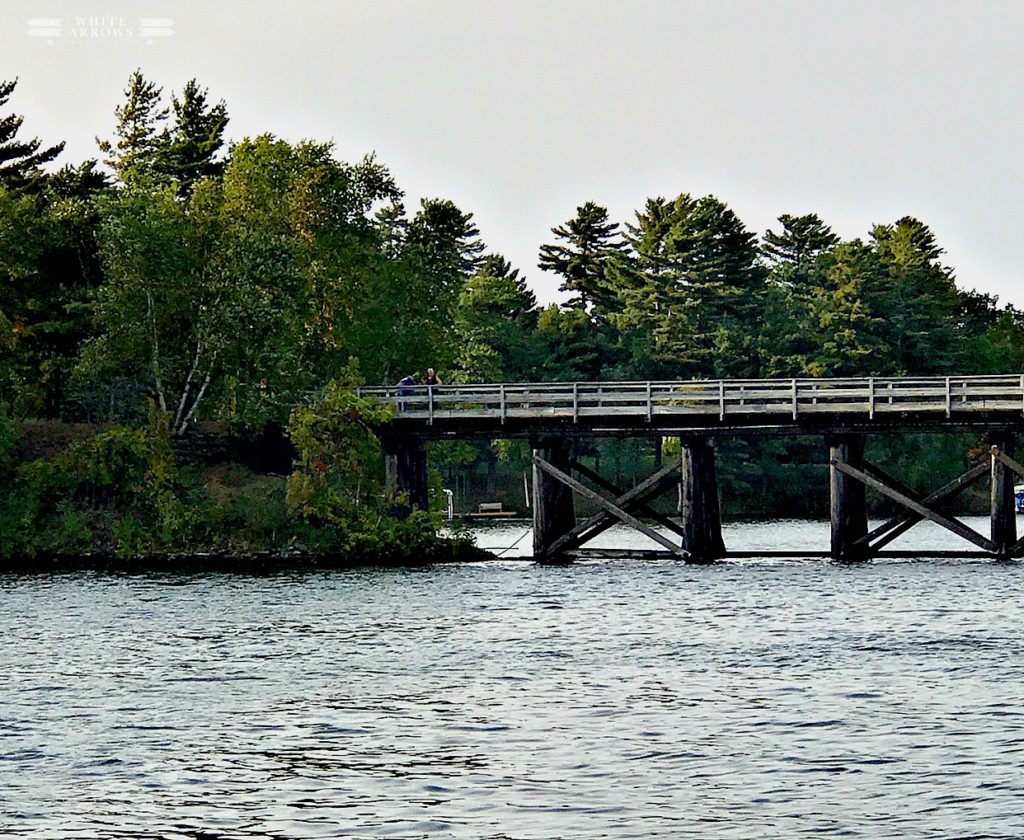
(223, 281)
(208, 280)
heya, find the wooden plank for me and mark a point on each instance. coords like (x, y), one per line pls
(602, 502)
(947, 522)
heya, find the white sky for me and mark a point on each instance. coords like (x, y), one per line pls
(519, 110)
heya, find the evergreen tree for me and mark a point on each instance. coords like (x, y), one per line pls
(795, 259)
(20, 159)
(140, 132)
(791, 254)
(495, 316)
(917, 298)
(592, 245)
(695, 290)
(188, 151)
(446, 239)
(847, 327)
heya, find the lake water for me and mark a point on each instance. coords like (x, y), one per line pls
(509, 700)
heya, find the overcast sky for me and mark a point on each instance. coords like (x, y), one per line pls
(519, 111)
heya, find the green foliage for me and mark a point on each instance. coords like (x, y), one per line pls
(118, 490)
(690, 294)
(20, 160)
(9, 435)
(140, 130)
(495, 317)
(592, 249)
(244, 512)
(337, 480)
(188, 151)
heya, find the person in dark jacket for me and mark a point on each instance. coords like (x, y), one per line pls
(432, 378)
(405, 389)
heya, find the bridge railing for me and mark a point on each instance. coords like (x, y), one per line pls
(867, 396)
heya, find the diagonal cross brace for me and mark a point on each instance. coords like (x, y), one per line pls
(903, 522)
(608, 506)
(947, 522)
(631, 500)
(1015, 466)
(602, 521)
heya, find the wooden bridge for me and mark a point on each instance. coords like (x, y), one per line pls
(844, 411)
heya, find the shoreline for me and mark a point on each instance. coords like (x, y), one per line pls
(235, 562)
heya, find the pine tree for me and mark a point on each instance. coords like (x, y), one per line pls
(585, 261)
(696, 290)
(917, 296)
(791, 253)
(790, 343)
(190, 148)
(494, 317)
(20, 160)
(140, 131)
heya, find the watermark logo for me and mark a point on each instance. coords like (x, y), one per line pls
(100, 29)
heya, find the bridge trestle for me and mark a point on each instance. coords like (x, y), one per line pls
(851, 474)
(700, 534)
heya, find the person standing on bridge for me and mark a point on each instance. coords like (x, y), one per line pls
(405, 389)
(432, 378)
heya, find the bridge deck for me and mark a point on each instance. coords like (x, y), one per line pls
(765, 405)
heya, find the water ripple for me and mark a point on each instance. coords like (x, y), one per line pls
(506, 700)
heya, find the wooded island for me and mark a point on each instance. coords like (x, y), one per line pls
(180, 290)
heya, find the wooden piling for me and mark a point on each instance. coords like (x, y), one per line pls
(700, 509)
(1004, 508)
(848, 498)
(405, 470)
(554, 513)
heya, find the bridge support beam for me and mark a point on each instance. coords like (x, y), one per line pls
(405, 468)
(849, 510)
(1004, 509)
(700, 508)
(554, 513)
